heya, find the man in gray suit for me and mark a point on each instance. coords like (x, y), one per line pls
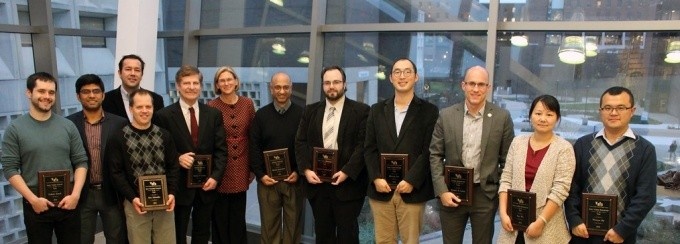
(473, 134)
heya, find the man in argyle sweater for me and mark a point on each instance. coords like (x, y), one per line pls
(613, 161)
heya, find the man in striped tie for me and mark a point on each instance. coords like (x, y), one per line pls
(336, 123)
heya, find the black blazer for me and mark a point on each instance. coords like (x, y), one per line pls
(414, 140)
(110, 126)
(211, 140)
(113, 102)
(351, 136)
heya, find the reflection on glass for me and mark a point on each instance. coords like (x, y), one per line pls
(386, 11)
(600, 10)
(243, 13)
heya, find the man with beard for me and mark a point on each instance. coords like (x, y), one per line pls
(274, 128)
(337, 123)
(98, 196)
(43, 141)
(117, 101)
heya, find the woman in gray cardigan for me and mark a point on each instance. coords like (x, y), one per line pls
(542, 163)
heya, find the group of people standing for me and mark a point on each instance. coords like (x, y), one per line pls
(126, 133)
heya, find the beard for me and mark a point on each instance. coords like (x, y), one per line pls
(338, 95)
(36, 105)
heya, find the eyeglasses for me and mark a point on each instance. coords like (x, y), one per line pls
(473, 84)
(619, 109)
(407, 73)
(93, 91)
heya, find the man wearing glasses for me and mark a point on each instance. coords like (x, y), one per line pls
(98, 195)
(613, 161)
(474, 134)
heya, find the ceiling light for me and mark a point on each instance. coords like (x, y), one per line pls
(591, 46)
(673, 52)
(304, 57)
(572, 50)
(519, 41)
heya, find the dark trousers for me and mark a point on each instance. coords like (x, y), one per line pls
(112, 215)
(200, 221)
(229, 218)
(39, 227)
(335, 221)
(481, 214)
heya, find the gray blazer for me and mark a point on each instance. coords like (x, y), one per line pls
(447, 143)
(552, 181)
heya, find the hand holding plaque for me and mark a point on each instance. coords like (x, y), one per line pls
(153, 192)
(277, 163)
(325, 163)
(459, 181)
(54, 185)
(200, 171)
(393, 168)
(599, 212)
(521, 208)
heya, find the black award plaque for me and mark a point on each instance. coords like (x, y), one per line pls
(521, 208)
(325, 163)
(277, 163)
(54, 185)
(599, 212)
(393, 168)
(200, 171)
(459, 181)
(153, 192)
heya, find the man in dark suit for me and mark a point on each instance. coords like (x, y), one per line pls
(197, 130)
(400, 125)
(473, 134)
(334, 123)
(98, 195)
(130, 70)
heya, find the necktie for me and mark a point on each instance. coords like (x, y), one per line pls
(194, 126)
(328, 130)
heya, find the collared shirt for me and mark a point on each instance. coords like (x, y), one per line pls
(399, 117)
(187, 115)
(472, 140)
(282, 110)
(93, 137)
(126, 102)
(628, 133)
(339, 105)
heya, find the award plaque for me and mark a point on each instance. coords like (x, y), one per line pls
(325, 163)
(393, 168)
(277, 163)
(521, 208)
(153, 192)
(54, 185)
(200, 171)
(459, 180)
(599, 212)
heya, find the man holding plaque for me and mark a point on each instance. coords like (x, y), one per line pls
(142, 150)
(274, 128)
(38, 143)
(198, 132)
(612, 162)
(334, 128)
(401, 125)
(99, 196)
(474, 134)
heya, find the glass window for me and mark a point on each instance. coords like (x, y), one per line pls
(243, 13)
(386, 11)
(644, 62)
(255, 60)
(16, 63)
(92, 23)
(601, 10)
(172, 15)
(441, 58)
(24, 19)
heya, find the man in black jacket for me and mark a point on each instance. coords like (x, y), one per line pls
(130, 70)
